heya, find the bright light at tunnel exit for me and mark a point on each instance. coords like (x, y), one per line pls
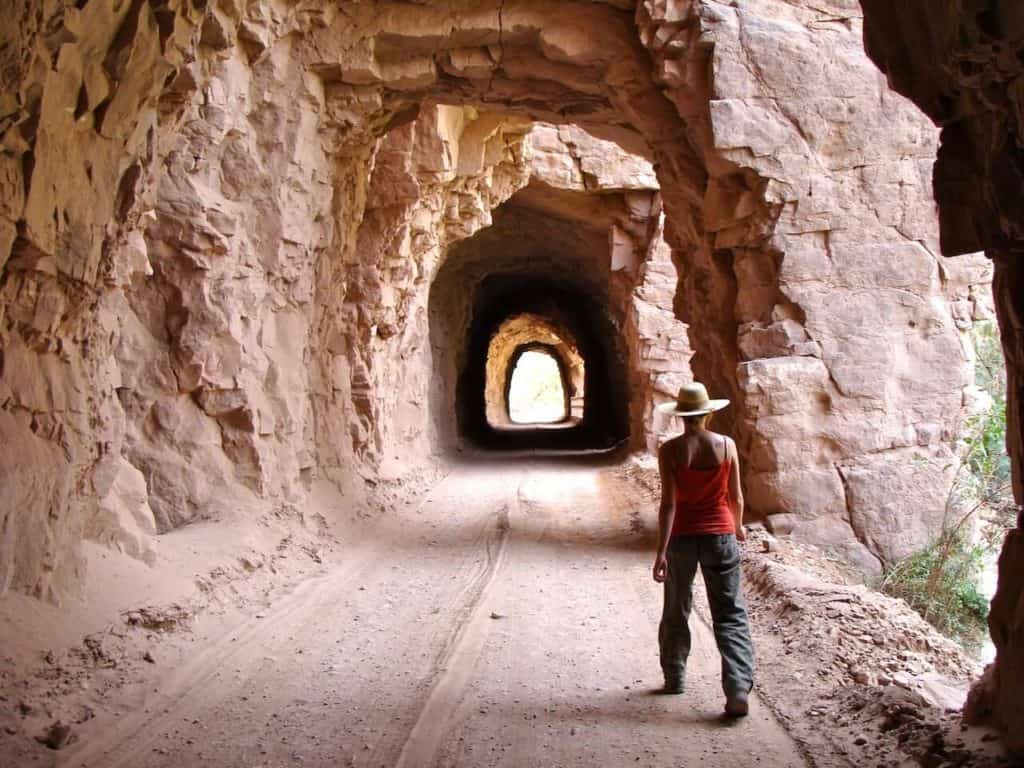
(536, 395)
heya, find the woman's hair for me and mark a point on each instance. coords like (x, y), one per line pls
(696, 421)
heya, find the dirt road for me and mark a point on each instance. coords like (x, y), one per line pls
(508, 619)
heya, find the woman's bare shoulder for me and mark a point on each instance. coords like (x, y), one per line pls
(730, 448)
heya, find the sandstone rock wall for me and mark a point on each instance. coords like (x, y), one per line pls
(214, 342)
(219, 224)
(663, 343)
(820, 246)
(78, 116)
(962, 64)
(433, 182)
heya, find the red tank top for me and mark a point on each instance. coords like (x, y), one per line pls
(702, 501)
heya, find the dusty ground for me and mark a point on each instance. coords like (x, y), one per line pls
(506, 617)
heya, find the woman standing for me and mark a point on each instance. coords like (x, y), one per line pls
(699, 522)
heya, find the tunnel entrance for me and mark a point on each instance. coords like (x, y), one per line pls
(573, 263)
(536, 388)
(534, 337)
(575, 260)
(516, 313)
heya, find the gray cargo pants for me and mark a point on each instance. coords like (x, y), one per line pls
(719, 558)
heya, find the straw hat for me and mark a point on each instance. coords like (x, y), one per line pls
(692, 401)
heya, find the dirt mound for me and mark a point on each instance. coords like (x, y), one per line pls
(852, 671)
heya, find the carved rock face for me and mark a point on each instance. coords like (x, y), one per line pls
(240, 250)
(964, 66)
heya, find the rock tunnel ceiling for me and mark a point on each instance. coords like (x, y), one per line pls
(223, 231)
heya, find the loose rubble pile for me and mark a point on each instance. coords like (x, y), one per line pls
(851, 670)
(874, 639)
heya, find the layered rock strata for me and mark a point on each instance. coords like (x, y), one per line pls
(821, 242)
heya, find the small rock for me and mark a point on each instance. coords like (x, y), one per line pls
(57, 736)
(497, 615)
(860, 741)
(901, 679)
(148, 656)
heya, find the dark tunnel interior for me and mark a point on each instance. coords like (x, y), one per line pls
(605, 418)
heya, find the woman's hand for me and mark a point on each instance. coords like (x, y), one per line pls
(660, 568)
(741, 533)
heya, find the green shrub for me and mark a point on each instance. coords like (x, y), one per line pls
(987, 479)
(941, 583)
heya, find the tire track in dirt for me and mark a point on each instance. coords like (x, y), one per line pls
(426, 677)
(175, 695)
(457, 659)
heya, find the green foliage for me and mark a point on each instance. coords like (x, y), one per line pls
(941, 581)
(987, 477)
(990, 368)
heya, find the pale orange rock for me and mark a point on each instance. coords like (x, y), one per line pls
(227, 264)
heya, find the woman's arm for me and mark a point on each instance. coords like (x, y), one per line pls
(666, 512)
(736, 492)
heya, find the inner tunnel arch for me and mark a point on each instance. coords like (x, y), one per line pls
(499, 296)
(517, 335)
